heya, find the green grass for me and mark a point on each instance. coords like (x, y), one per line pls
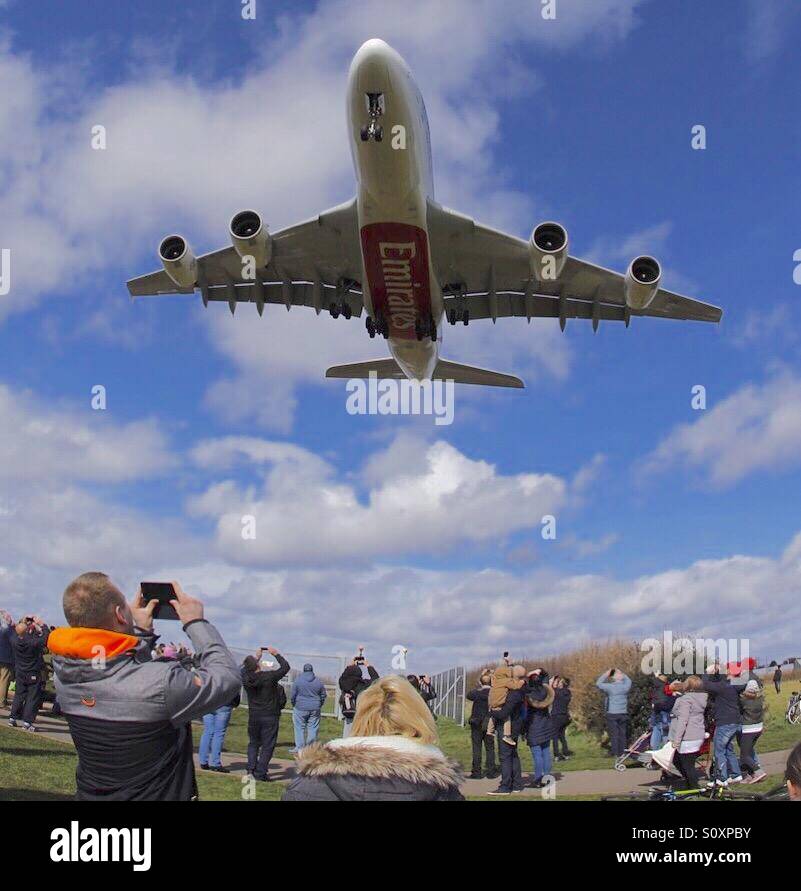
(34, 768)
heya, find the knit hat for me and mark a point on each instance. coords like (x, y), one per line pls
(752, 687)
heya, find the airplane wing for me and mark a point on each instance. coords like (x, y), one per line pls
(313, 264)
(488, 273)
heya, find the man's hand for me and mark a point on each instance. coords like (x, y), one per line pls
(188, 608)
(272, 651)
(142, 612)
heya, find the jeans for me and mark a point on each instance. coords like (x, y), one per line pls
(541, 756)
(306, 723)
(618, 729)
(27, 698)
(749, 759)
(347, 726)
(726, 763)
(262, 737)
(211, 742)
(660, 723)
(479, 739)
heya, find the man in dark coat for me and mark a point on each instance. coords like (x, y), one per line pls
(512, 710)
(265, 701)
(29, 644)
(479, 718)
(352, 682)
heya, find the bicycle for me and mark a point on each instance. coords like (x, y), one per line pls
(715, 793)
(793, 713)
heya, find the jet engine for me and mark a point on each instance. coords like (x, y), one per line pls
(250, 238)
(179, 261)
(548, 251)
(642, 282)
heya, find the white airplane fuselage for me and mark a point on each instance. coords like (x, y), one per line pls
(395, 179)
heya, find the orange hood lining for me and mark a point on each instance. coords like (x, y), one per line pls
(88, 643)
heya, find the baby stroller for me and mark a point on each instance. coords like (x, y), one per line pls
(639, 750)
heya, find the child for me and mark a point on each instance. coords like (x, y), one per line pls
(500, 685)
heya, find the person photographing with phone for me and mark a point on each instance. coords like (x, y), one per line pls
(266, 700)
(130, 715)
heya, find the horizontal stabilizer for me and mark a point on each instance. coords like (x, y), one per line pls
(385, 369)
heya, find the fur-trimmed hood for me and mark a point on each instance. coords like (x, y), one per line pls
(380, 758)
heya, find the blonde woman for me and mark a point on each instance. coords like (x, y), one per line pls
(391, 754)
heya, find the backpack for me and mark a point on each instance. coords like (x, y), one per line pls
(347, 702)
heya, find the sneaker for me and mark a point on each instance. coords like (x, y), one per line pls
(204, 767)
(499, 791)
(510, 741)
(29, 727)
(569, 754)
(758, 776)
(737, 779)
(492, 774)
(12, 722)
(220, 769)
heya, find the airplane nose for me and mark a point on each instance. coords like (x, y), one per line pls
(371, 67)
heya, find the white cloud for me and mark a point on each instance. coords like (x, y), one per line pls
(429, 498)
(756, 429)
(43, 443)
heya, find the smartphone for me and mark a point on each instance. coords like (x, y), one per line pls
(164, 593)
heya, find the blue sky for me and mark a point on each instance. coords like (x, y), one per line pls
(666, 517)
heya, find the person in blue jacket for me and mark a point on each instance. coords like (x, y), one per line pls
(616, 685)
(308, 696)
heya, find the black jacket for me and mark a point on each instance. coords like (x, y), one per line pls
(560, 710)
(539, 731)
(29, 652)
(6, 647)
(262, 689)
(351, 680)
(726, 702)
(512, 710)
(373, 773)
(479, 716)
(662, 701)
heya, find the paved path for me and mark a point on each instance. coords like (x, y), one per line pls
(570, 783)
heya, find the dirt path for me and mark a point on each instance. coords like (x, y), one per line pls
(571, 783)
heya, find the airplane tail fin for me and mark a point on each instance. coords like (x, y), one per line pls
(461, 374)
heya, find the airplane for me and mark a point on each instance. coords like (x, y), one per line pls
(406, 262)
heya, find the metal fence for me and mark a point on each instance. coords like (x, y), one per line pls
(327, 668)
(450, 688)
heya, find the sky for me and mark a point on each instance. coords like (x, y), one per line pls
(386, 531)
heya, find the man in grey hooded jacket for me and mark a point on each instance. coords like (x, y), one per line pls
(129, 714)
(308, 696)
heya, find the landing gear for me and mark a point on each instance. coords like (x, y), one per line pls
(340, 309)
(425, 328)
(334, 310)
(375, 108)
(377, 326)
(455, 316)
